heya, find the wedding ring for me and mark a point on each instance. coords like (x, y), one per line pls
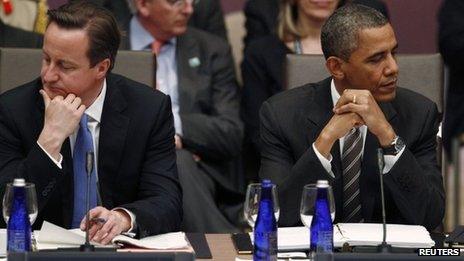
(354, 99)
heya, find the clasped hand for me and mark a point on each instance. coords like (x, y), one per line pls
(363, 104)
(353, 109)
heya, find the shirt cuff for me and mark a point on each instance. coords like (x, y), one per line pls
(131, 232)
(58, 163)
(324, 161)
(390, 161)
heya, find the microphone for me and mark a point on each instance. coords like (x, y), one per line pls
(383, 247)
(87, 247)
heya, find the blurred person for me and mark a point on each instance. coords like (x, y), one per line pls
(47, 127)
(332, 130)
(207, 15)
(299, 31)
(29, 15)
(262, 15)
(18, 38)
(196, 69)
(451, 44)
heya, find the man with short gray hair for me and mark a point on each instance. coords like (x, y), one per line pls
(332, 130)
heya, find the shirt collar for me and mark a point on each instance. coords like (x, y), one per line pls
(94, 111)
(334, 93)
(140, 38)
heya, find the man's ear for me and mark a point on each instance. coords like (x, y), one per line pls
(141, 7)
(102, 68)
(335, 67)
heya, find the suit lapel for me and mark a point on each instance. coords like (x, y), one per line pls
(67, 186)
(190, 79)
(319, 113)
(369, 180)
(113, 129)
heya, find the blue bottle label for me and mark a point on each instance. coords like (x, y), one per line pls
(325, 241)
(265, 246)
(19, 227)
(321, 226)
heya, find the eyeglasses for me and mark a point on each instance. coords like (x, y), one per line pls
(182, 3)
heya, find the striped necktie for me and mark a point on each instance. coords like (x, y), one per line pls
(351, 163)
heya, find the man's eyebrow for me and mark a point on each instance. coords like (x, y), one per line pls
(382, 52)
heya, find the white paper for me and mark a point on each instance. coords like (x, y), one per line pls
(3, 242)
(174, 240)
(357, 234)
(365, 234)
(291, 238)
(52, 236)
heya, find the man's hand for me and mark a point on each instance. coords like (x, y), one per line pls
(363, 103)
(338, 126)
(62, 115)
(114, 223)
(178, 141)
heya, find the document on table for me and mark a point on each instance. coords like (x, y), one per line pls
(366, 234)
(358, 234)
(52, 237)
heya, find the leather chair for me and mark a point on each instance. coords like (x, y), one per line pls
(20, 65)
(422, 73)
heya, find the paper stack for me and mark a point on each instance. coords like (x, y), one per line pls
(52, 237)
(358, 234)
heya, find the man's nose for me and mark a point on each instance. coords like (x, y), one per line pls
(392, 65)
(49, 73)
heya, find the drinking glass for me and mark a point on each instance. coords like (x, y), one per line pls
(251, 205)
(31, 202)
(308, 202)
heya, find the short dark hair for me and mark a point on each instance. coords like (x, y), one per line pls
(339, 34)
(101, 26)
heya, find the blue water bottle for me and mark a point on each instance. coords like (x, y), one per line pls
(19, 226)
(321, 225)
(265, 233)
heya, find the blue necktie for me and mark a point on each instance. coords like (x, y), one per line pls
(83, 145)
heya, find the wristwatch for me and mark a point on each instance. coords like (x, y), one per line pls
(395, 146)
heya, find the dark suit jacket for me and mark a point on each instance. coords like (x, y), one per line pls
(261, 16)
(136, 158)
(292, 120)
(451, 42)
(209, 105)
(15, 37)
(263, 75)
(208, 15)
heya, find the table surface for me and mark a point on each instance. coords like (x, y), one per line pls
(222, 248)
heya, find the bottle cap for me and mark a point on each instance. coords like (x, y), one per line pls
(19, 183)
(266, 183)
(322, 184)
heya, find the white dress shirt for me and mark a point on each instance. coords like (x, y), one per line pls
(390, 160)
(166, 69)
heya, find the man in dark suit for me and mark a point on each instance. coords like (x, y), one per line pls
(331, 130)
(261, 16)
(208, 15)
(15, 37)
(48, 125)
(196, 69)
(451, 41)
